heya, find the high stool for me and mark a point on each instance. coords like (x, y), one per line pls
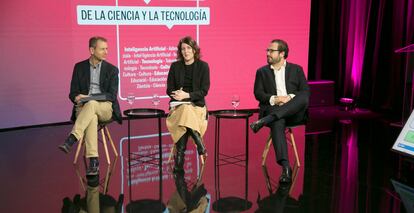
(290, 140)
(105, 134)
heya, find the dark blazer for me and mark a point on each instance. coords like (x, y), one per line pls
(265, 85)
(108, 81)
(201, 81)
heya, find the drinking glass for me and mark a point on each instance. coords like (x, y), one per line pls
(155, 100)
(130, 98)
(235, 101)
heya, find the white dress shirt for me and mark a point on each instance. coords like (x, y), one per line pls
(280, 83)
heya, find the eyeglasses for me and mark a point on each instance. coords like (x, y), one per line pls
(272, 50)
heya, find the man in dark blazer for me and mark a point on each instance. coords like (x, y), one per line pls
(283, 93)
(93, 78)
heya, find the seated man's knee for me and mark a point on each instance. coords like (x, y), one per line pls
(302, 100)
(95, 120)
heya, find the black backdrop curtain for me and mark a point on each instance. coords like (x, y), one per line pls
(353, 42)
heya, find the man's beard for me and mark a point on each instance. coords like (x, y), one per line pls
(271, 60)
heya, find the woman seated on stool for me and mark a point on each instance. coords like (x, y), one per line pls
(188, 81)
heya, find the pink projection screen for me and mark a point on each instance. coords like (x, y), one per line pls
(41, 40)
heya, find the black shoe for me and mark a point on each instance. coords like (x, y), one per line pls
(256, 126)
(67, 146)
(93, 167)
(286, 176)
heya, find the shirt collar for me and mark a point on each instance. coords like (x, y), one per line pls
(97, 65)
(283, 66)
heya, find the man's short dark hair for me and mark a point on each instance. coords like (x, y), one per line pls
(192, 43)
(282, 46)
(95, 39)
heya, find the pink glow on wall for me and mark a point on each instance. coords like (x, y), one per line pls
(355, 48)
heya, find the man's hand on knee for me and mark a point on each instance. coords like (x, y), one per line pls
(79, 97)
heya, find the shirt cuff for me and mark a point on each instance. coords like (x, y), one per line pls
(272, 100)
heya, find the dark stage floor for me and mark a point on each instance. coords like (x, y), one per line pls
(346, 166)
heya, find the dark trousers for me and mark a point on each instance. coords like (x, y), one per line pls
(277, 118)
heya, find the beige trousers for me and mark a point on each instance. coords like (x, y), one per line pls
(86, 125)
(186, 115)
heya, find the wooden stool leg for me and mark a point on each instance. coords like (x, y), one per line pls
(115, 151)
(266, 150)
(203, 159)
(111, 141)
(200, 176)
(78, 148)
(294, 177)
(108, 160)
(81, 179)
(171, 153)
(267, 179)
(111, 166)
(75, 163)
(170, 157)
(107, 177)
(292, 138)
